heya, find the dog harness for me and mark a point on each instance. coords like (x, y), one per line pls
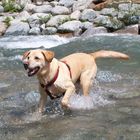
(52, 97)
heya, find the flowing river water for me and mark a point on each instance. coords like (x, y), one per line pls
(111, 112)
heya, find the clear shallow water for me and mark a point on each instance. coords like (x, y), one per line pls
(112, 109)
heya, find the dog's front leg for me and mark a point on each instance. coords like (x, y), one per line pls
(43, 100)
(65, 101)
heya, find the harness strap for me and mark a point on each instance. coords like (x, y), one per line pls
(68, 68)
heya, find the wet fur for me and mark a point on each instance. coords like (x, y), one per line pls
(83, 67)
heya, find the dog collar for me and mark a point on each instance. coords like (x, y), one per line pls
(52, 81)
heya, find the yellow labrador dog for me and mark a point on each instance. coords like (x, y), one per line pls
(57, 77)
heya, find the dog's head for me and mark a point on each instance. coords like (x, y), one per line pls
(35, 60)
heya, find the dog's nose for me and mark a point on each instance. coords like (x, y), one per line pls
(26, 66)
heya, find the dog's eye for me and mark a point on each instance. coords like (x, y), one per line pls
(37, 58)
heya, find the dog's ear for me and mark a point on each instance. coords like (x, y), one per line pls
(49, 55)
(25, 54)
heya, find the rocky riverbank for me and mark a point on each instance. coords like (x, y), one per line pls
(69, 18)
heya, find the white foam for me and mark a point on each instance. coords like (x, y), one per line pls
(32, 41)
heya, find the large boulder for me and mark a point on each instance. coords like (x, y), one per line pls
(88, 15)
(18, 28)
(60, 10)
(129, 13)
(38, 18)
(81, 4)
(57, 20)
(42, 9)
(111, 23)
(95, 30)
(23, 16)
(70, 26)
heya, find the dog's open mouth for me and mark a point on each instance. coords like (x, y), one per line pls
(32, 71)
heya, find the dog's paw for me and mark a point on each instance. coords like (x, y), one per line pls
(65, 104)
(41, 111)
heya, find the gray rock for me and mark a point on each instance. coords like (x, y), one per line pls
(109, 12)
(75, 15)
(18, 28)
(88, 15)
(54, 3)
(25, 2)
(3, 28)
(86, 25)
(67, 3)
(133, 29)
(124, 6)
(1, 9)
(49, 31)
(42, 9)
(38, 18)
(92, 31)
(58, 20)
(35, 31)
(81, 4)
(135, 7)
(23, 16)
(70, 26)
(60, 10)
(108, 22)
(29, 7)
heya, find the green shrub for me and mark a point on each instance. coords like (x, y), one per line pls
(7, 21)
(11, 6)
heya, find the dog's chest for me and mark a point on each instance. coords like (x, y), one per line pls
(55, 89)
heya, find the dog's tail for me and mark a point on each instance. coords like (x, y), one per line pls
(109, 54)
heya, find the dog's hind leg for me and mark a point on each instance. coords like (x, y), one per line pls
(86, 79)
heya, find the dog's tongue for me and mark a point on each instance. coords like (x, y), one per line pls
(31, 72)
